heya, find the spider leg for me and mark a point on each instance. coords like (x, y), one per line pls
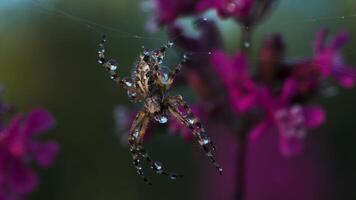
(111, 66)
(179, 109)
(137, 132)
(177, 69)
(138, 151)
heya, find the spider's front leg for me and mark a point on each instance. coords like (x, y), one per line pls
(178, 68)
(180, 109)
(111, 66)
(138, 151)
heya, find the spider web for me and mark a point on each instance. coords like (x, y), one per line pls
(45, 7)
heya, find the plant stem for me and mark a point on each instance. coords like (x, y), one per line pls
(246, 34)
(241, 168)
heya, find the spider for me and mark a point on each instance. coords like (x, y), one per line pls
(149, 83)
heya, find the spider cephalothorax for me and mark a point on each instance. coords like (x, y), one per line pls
(149, 83)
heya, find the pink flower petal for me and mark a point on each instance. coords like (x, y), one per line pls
(22, 178)
(45, 153)
(259, 130)
(290, 146)
(289, 90)
(39, 121)
(314, 116)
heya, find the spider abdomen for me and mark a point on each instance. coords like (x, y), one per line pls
(153, 104)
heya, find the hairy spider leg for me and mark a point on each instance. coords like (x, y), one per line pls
(137, 131)
(111, 66)
(177, 69)
(138, 151)
(180, 109)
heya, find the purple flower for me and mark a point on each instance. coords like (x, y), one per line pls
(290, 121)
(228, 8)
(247, 12)
(236, 77)
(165, 12)
(19, 148)
(329, 59)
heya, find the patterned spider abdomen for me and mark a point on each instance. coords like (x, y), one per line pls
(153, 104)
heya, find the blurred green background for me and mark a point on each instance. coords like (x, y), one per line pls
(48, 59)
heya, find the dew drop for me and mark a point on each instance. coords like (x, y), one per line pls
(112, 65)
(164, 75)
(136, 134)
(131, 94)
(247, 44)
(170, 44)
(163, 119)
(127, 82)
(173, 176)
(157, 166)
(101, 50)
(206, 141)
(191, 121)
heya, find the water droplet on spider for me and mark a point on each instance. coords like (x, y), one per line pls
(127, 82)
(101, 49)
(191, 120)
(162, 119)
(247, 44)
(173, 176)
(131, 94)
(136, 134)
(157, 166)
(164, 74)
(112, 65)
(205, 141)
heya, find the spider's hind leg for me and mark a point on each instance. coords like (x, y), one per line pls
(138, 151)
(184, 114)
(137, 132)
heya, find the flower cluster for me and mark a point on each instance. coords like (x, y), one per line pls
(20, 147)
(247, 12)
(277, 95)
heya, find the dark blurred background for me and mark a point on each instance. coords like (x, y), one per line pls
(48, 59)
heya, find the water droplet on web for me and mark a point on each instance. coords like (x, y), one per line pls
(247, 44)
(170, 44)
